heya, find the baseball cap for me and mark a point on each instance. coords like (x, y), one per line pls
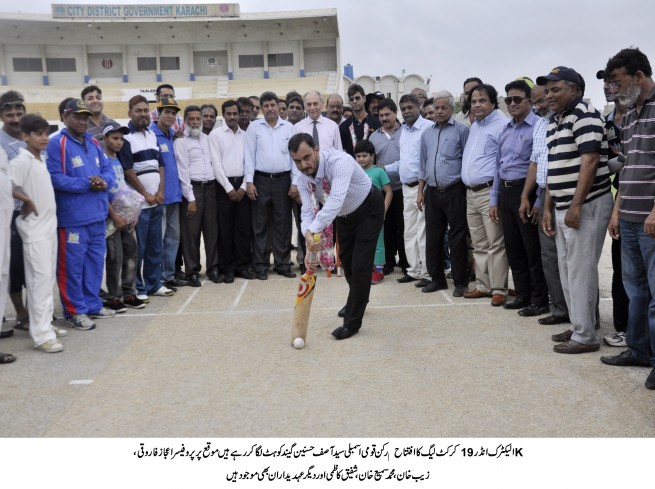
(167, 101)
(76, 106)
(114, 127)
(527, 80)
(372, 95)
(560, 73)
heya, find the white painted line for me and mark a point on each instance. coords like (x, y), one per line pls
(446, 296)
(240, 294)
(81, 382)
(191, 297)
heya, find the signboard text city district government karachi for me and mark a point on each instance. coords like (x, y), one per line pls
(68, 11)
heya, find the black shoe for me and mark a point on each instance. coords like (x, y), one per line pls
(650, 381)
(459, 291)
(405, 279)
(262, 276)
(342, 312)
(624, 359)
(533, 310)
(176, 282)
(433, 287)
(552, 320)
(6, 334)
(422, 283)
(193, 280)
(246, 275)
(215, 277)
(228, 278)
(286, 273)
(516, 304)
(341, 333)
(180, 274)
(387, 269)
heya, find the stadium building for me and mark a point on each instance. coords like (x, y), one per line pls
(209, 52)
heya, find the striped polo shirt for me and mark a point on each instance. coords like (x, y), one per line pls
(578, 130)
(141, 153)
(637, 185)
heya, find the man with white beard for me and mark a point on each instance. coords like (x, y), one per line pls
(200, 204)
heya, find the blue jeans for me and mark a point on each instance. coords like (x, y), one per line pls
(171, 230)
(638, 262)
(148, 262)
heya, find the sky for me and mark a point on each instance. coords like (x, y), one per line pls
(495, 40)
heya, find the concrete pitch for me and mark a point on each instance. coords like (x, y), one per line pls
(217, 362)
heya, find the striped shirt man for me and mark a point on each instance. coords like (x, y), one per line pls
(637, 185)
(575, 131)
(349, 188)
(141, 154)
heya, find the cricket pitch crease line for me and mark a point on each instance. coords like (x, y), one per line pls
(191, 297)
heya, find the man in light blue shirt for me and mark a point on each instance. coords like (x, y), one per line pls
(407, 168)
(270, 180)
(478, 173)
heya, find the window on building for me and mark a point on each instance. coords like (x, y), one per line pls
(170, 63)
(146, 63)
(54, 65)
(251, 61)
(28, 64)
(280, 59)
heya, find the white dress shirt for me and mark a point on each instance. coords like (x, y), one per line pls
(227, 150)
(193, 162)
(328, 132)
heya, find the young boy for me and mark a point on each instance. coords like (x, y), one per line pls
(365, 155)
(37, 226)
(120, 262)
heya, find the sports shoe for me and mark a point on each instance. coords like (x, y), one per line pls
(134, 302)
(163, 292)
(617, 339)
(50, 346)
(143, 298)
(116, 305)
(81, 322)
(103, 313)
(377, 277)
(60, 332)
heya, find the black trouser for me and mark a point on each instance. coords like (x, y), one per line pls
(273, 194)
(16, 262)
(302, 245)
(444, 207)
(522, 245)
(394, 232)
(204, 221)
(620, 299)
(358, 236)
(235, 231)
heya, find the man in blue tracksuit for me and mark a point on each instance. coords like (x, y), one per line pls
(80, 176)
(167, 110)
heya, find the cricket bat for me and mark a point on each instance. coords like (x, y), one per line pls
(303, 306)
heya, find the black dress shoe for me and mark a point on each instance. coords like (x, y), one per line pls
(215, 277)
(433, 287)
(534, 310)
(459, 291)
(387, 269)
(552, 320)
(625, 359)
(262, 276)
(175, 282)
(228, 278)
(342, 312)
(516, 304)
(6, 334)
(422, 283)
(341, 333)
(194, 281)
(180, 274)
(246, 275)
(650, 381)
(405, 279)
(286, 273)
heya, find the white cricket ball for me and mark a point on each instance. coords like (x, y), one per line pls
(298, 343)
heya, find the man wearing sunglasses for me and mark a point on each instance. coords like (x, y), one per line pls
(578, 184)
(514, 171)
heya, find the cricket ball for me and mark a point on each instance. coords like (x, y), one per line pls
(298, 343)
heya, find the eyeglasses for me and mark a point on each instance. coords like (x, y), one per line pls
(516, 99)
(16, 104)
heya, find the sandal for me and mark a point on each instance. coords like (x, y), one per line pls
(23, 324)
(7, 358)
